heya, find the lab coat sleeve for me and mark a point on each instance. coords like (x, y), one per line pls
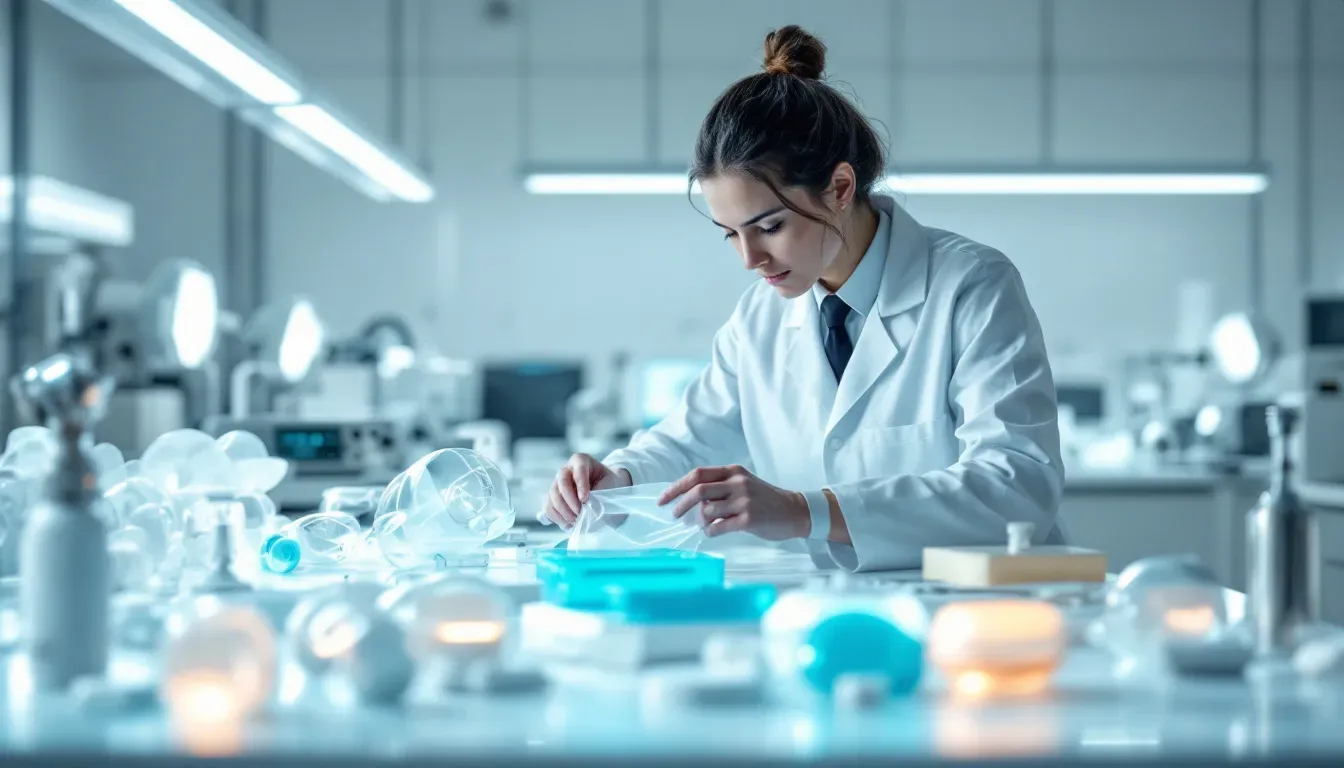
(705, 429)
(1002, 397)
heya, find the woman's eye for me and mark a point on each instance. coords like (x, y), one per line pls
(729, 235)
(773, 228)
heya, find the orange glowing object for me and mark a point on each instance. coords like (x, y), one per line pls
(1195, 621)
(207, 711)
(998, 647)
(469, 632)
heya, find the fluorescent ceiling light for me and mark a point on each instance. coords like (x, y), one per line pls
(939, 183)
(336, 136)
(1048, 183)
(213, 50)
(200, 45)
(57, 208)
(606, 184)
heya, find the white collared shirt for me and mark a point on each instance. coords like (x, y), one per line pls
(860, 290)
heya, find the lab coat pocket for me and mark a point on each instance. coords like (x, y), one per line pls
(903, 450)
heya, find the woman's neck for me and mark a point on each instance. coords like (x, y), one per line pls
(862, 229)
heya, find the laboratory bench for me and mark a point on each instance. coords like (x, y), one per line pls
(1094, 711)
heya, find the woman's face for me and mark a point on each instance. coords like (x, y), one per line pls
(785, 249)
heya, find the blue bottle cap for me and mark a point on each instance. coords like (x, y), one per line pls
(860, 643)
(280, 554)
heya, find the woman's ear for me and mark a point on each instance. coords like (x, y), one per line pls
(844, 186)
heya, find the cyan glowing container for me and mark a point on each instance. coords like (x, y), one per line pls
(280, 554)
(698, 605)
(581, 580)
(864, 644)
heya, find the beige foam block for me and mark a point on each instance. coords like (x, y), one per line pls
(991, 566)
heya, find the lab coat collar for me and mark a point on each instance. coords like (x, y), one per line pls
(904, 286)
(905, 281)
(860, 291)
(905, 278)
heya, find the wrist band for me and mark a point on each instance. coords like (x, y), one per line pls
(819, 508)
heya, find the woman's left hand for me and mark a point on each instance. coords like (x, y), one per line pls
(733, 499)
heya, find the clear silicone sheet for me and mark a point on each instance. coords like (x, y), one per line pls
(630, 518)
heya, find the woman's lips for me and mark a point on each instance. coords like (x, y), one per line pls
(777, 279)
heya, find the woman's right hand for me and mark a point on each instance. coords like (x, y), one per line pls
(572, 484)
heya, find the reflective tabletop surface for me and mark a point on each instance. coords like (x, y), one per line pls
(585, 716)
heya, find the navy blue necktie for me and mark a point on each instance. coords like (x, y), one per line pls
(837, 344)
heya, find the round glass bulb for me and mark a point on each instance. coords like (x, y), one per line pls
(220, 666)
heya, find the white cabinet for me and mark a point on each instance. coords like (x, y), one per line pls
(1128, 524)
(1332, 565)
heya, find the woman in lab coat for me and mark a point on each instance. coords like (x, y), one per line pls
(882, 388)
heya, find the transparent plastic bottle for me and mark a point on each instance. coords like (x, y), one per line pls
(322, 538)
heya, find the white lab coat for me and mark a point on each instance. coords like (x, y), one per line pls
(941, 431)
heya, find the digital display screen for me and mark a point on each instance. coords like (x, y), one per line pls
(1325, 323)
(308, 444)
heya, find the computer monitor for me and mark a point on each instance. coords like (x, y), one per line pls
(531, 396)
(1087, 400)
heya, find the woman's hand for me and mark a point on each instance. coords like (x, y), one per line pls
(733, 499)
(573, 483)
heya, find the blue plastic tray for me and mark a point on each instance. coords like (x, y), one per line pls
(738, 603)
(581, 580)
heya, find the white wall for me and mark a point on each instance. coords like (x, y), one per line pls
(488, 270)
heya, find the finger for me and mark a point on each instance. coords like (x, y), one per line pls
(570, 494)
(582, 467)
(549, 516)
(700, 494)
(719, 510)
(559, 507)
(730, 524)
(693, 478)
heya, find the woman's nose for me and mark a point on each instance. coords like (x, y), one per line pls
(753, 257)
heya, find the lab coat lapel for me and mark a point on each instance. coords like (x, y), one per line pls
(805, 359)
(904, 286)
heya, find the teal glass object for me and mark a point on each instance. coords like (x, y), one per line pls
(860, 643)
(280, 554)
(581, 580)
(739, 603)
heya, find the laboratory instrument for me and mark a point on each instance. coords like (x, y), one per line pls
(284, 342)
(1018, 563)
(1323, 399)
(322, 454)
(988, 648)
(1283, 557)
(64, 579)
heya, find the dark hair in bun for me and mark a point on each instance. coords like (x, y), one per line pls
(792, 51)
(786, 127)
